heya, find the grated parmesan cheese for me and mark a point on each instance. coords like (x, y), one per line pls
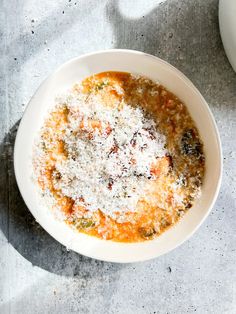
(107, 166)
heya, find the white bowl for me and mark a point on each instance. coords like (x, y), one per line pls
(156, 69)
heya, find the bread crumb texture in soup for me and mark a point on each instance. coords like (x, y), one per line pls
(119, 158)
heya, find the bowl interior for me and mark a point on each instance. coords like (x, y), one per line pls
(156, 69)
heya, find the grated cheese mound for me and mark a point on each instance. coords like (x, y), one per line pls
(108, 161)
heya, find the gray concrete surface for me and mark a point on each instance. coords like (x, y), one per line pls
(37, 274)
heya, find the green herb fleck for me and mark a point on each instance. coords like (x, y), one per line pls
(44, 148)
(84, 223)
(147, 232)
(101, 85)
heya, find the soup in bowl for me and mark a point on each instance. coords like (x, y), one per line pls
(121, 159)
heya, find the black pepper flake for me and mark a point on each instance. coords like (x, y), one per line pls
(57, 176)
(134, 139)
(15, 59)
(114, 150)
(189, 205)
(143, 147)
(63, 12)
(32, 32)
(110, 184)
(138, 174)
(32, 21)
(150, 133)
(169, 269)
(170, 161)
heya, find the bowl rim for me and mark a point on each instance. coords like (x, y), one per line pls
(204, 103)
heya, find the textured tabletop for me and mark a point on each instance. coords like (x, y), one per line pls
(37, 274)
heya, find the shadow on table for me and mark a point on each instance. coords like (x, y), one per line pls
(184, 33)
